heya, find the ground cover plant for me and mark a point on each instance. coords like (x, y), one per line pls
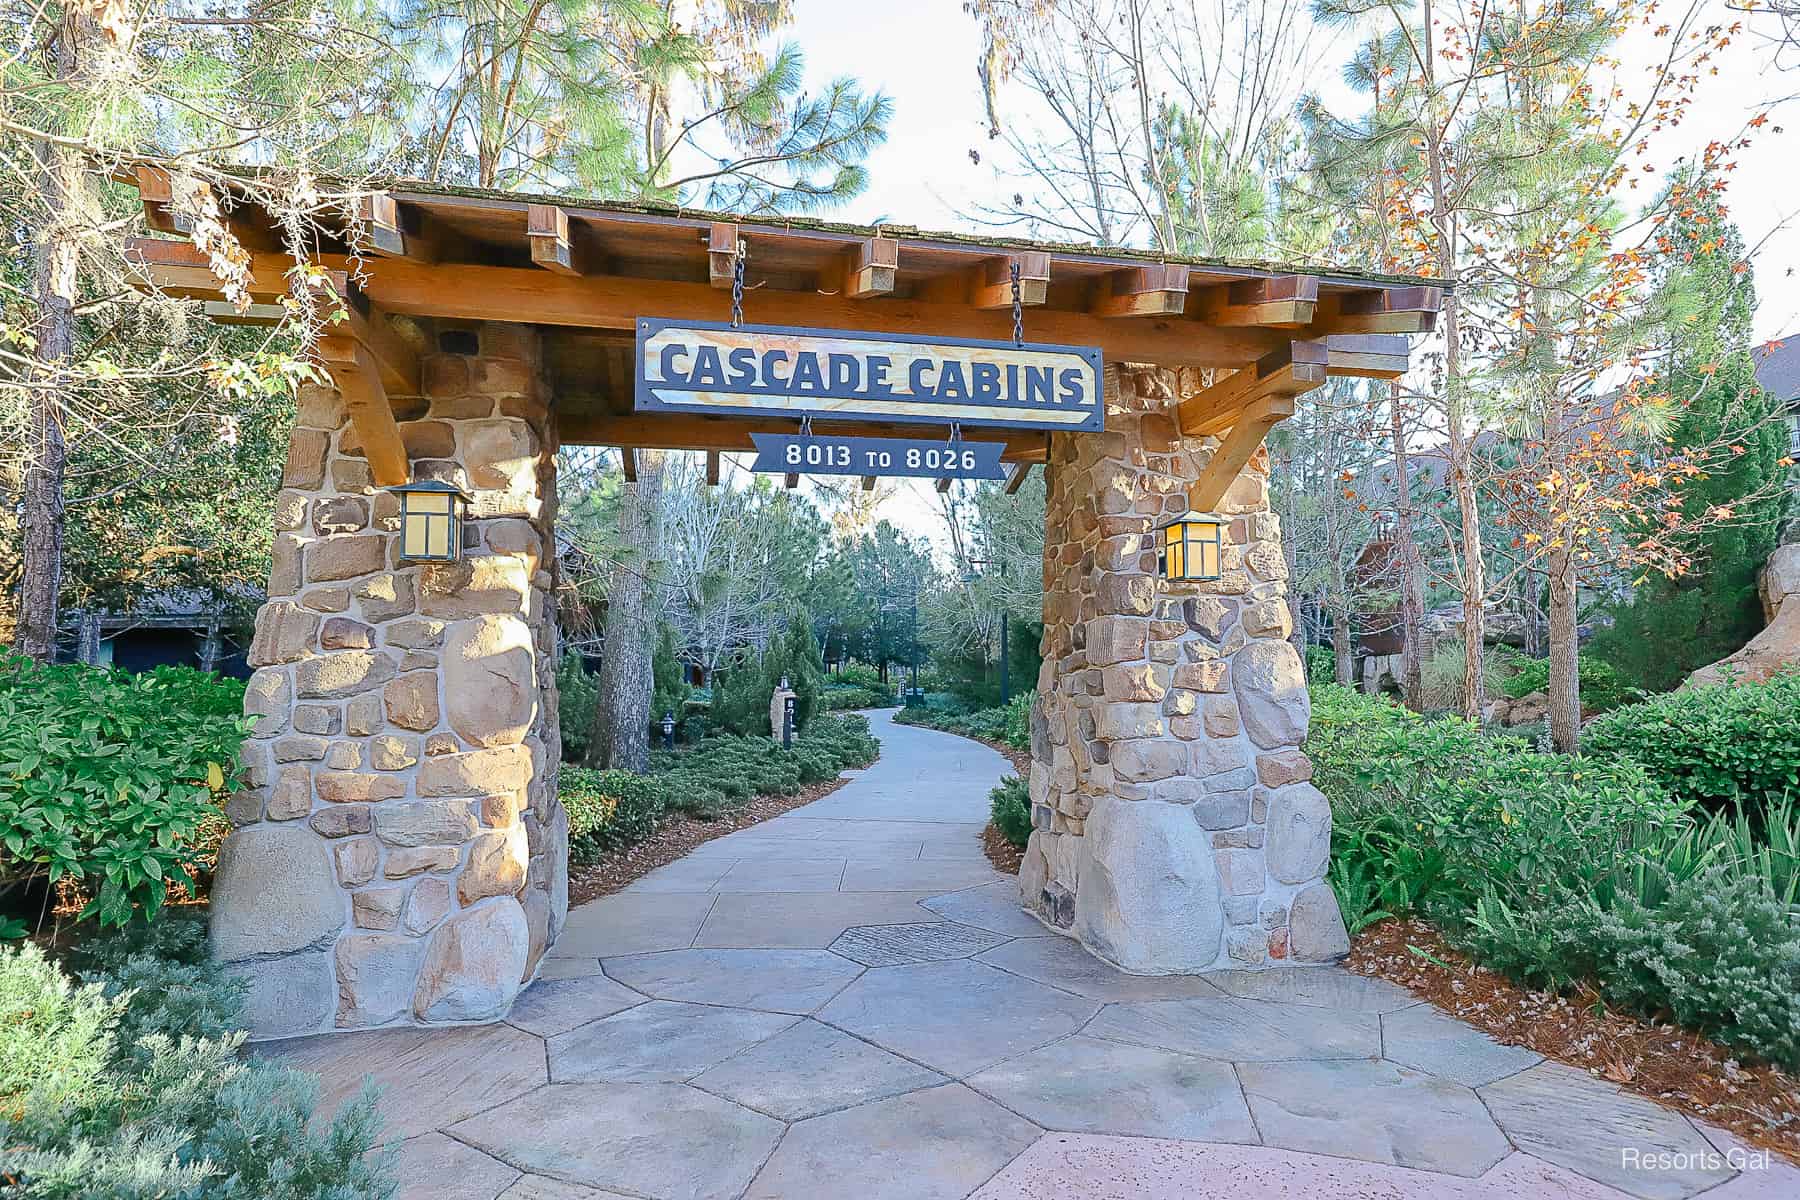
(1567, 871)
(121, 1076)
(611, 810)
(112, 782)
(1009, 724)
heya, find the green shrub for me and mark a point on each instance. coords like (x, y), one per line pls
(1018, 720)
(1602, 688)
(1010, 725)
(112, 778)
(1715, 745)
(1321, 665)
(1715, 953)
(741, 694)
(671, 689)
(839, 699)
(1010, 809)
(609, 810)
(99, 1098)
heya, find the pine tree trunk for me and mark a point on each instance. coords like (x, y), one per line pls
(1412, 583)
(621, 733)
(1565, 657)
(55, 271)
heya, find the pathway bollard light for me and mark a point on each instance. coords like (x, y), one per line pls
(668, 728)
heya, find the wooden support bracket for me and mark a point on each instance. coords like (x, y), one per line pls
(1236, 448)
(1015, 478)
(1157, 290)
(358, 378)
(1294, 368)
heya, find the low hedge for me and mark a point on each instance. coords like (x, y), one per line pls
(839, 699)
(125, 1079)
(1721, 745)
(1009, 724)
(1561, 871)
(113, 780)
(610, 810)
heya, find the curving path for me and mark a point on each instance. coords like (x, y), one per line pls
(845, 1001)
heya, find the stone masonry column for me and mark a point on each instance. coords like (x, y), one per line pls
(1175, 829)
(399, 853)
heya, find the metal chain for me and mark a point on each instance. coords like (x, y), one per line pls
(955, 433)
(806, 429)
(737, 285)
(1018, 307)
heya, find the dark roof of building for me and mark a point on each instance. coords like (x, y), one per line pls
(1778, 367)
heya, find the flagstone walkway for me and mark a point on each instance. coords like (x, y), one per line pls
(845, 1001)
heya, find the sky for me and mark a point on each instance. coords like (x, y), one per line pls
(922, 54)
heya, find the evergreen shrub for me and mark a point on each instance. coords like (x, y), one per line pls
(1010, 809)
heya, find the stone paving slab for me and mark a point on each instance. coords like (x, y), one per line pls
(1059, 1166)
(659, 1140)
(1063, 963)
(992, 906)
(956, 1017)
(632, 924)
(783, 920)
(782, 981)
(1427, 1039)
(1374, 1111)
(925, 875)
(428, 1078)
(808, 1069)
(792, 875)
(1325, 987)
(936, 1144)
(539, 1187)
(435, 1167)
(1084, 1085)
(1568, 1117)
(659, 1041)
(553, 1006)
(1224, 1027)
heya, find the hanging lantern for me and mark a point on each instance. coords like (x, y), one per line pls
(1187, 548)
(431, 516)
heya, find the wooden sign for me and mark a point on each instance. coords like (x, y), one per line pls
(824, 454)
(776, 371)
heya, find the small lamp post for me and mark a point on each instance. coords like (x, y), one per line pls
(668, 727)
(787, 720)
(1188, 548)
(431, 517)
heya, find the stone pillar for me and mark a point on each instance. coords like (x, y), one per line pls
(399, 853)
(1175, 829)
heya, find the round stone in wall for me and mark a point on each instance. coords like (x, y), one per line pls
(924, 941)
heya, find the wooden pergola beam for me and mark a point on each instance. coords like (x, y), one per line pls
(1156, 290)
(1235, 449)
(1284, 300)
(358, 378)
(1015, 478)
(1293, 368)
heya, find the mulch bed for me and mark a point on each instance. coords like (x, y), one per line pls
(1667, 1064)
(1005, 856)
(678, 834)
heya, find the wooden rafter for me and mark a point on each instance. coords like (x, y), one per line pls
(158, 196)
(358, 378)
(791, 480)
(547, 229)
(712, 468)
(628, 463)
(721, 252)
(1284, 300)
(1367, 355)
(1015, 478)
(381, 221)
(943, 485)
(1293, 368)
(868, 483)
(870, 267)
(1387, 310)
(990, 283)
(1156, 290)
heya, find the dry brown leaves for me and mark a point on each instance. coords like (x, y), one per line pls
(1005, 856)
(1667, 1064)
(677, 835)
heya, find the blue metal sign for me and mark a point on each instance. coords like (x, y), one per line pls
(824, 454)
(777, 371)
